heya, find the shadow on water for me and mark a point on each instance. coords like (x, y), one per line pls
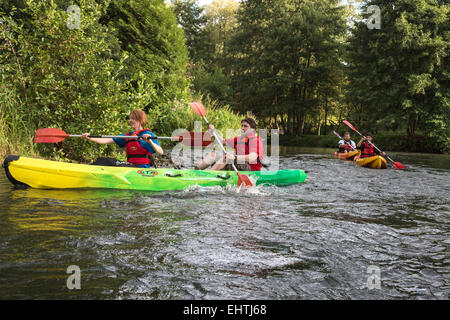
(309, 241)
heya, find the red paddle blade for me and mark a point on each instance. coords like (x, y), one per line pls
(349, 124)
(243, 179)
(49, 135)
(399, 166)
(194, 139)
(198, 108)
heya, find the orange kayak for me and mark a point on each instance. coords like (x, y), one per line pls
(346, 155)
(375, 162)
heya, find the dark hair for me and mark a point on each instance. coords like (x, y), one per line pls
(368, 134)
(346, 133)
(251, 122)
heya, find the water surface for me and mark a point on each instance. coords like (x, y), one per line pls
(308, 241)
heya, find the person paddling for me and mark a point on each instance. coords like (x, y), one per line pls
(248, 147)
(139, 151)
(346, 145)
(367, 148)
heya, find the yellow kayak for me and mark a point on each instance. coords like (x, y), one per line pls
(46, 174)
(375, 162)
(346, 155)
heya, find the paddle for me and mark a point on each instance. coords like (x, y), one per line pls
(397, 165)
(201, 111)
(53, 135)
(337, 134)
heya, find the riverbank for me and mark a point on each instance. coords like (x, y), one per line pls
(385, 141)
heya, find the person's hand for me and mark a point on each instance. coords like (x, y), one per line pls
(146, 137)
(230, 156)
(85, 136)
(383, 153)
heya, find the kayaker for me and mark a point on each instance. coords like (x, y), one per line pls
(367, 149)
(346, 145)
(248, 148)
(139, 151)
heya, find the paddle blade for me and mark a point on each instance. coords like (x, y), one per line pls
(398, 165)
(244, 180)
(194, 139)
(49, 135)
(198, 108)
(349, 124)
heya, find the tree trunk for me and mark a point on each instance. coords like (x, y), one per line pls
(318, 127)
(302, 125)
(326, 116)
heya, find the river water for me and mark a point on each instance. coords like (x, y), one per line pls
(346, 233)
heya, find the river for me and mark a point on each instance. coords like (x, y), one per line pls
(346, 233)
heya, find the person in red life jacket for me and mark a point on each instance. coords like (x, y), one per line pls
(248, 147)
(139, 151)
(346, 145)
(367, 149)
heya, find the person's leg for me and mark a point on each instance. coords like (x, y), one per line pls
(207, 161)
(220, 164)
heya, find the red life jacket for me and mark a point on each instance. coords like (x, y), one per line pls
(368, 151)
(346, 147)
(136, 154)
(253, 166)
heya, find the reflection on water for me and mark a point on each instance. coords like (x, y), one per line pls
(308, 241)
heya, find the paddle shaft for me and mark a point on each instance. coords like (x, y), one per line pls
(119, 137)
(374, 145)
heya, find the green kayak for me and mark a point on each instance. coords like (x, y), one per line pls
(46, 174)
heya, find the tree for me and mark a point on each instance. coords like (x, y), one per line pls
(148, 32)
(190, 16)
(285, 53)
(62, 77)
(399, 73)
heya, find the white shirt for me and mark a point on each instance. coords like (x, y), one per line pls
(344, 142)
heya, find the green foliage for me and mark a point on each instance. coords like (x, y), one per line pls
(190, 16)
(67, 78)
(287, 57)
(148, 32)
(399, 74)
(215, 83)
(178, 114)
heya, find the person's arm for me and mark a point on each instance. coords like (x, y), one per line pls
(98, 140)
(250, 158)
(155, 145)
(360, 142)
